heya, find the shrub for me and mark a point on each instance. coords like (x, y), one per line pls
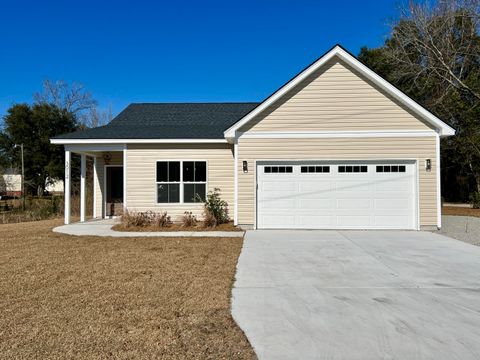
(475, 200)
(161, 220)
(188, 219)
(136, 219)
(209, 220)
(216, 207)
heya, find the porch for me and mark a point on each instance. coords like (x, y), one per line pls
(109, 180)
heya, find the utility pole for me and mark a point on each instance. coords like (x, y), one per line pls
(23, 176)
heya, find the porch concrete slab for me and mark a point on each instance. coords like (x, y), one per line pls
(358, 295)
(104, 228)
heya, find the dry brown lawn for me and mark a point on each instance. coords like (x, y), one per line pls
(123, 298)
(453, 210)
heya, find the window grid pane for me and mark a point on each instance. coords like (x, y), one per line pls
(392, 168)
(162, 171)
(353, 169)
(191, 192)
(315, 169)
(174, 171)
(169, 179)
(278, 169)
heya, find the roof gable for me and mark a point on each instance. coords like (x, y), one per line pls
(340, 53)
(336, 98)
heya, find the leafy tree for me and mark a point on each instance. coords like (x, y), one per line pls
(33, 126)
(433, 55)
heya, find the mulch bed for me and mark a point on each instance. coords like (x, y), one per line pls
(178, 227)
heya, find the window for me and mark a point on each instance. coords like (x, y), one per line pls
(391, 168)
(353, 169)
(195, 181)
(168, 182)
(181, 181)
(278, 169)
(315, 169)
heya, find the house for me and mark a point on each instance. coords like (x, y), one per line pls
(54, 186)
(10, 183)
(335, 147)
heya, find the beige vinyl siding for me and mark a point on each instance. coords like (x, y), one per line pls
(117, 159)
(335, 98)
(141, 173)
(418, 148)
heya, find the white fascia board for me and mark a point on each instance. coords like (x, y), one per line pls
(334, 134)
(439, 185)
(442, 128)
(135, 141)
(92, 148)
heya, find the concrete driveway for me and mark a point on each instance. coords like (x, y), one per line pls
(358, 295)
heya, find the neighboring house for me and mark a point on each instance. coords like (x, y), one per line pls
(10, 183)
(54, 187)
(335, 147)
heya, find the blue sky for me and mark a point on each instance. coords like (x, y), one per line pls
(176, 51)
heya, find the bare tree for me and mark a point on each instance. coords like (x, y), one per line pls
(438, 41)
(98, 118)
(75, 99)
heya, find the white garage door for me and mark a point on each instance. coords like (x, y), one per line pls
(327, 195)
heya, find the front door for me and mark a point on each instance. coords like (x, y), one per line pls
(114, 205)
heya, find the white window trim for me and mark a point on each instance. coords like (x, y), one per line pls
(181, 182)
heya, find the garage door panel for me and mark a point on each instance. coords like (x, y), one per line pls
(350, 196)
(315, 204)
(288, 221)
(393, 221)
(392, 185)
(315, 187)
(284, 185)
(353, 221)
(392, 204)
(360, 203)
(276, 203)
(308, 221)
(348, 187)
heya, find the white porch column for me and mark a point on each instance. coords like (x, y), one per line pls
(235, 183)
(83, 174)
(125, 178)
(94, 187)
(67, 192)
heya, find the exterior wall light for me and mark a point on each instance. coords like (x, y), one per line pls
(245, 166)
(428, 165)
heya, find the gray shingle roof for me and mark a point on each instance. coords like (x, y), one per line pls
(169, 121)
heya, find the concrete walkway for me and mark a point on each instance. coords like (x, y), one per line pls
(358, 295)
(104, 228)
